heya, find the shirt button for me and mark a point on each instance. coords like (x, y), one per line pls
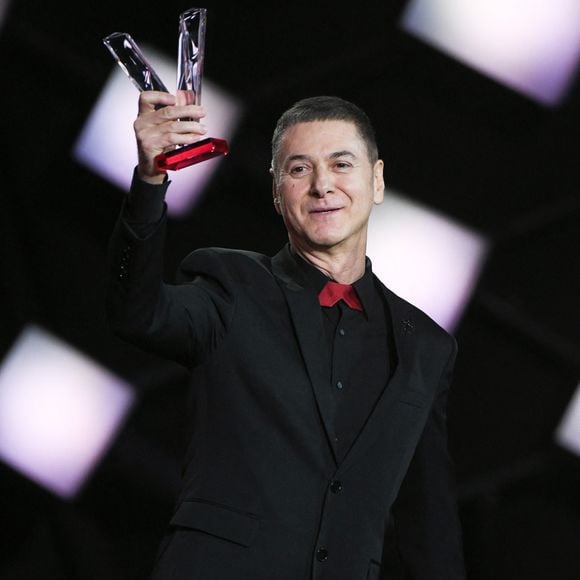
(339, 385)
(341, 331)
(336, 487)
(322, 554)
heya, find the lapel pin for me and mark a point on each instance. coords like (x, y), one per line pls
(408, 326)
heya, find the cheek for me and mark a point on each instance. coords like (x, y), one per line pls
(291, 196)
(352, 186)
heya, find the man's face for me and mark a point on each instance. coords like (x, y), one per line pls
(326, 186)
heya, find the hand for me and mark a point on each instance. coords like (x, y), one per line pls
(158, 128)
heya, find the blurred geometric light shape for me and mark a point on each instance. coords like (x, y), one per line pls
(532, 46)
(107, 145)
(426, 258)
(59, 411)
(568, 431)
(3, 10)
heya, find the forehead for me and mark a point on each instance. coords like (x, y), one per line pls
(316, 138)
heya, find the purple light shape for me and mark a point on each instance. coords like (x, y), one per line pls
(568, 431)
(59, 411)
(531, 46)
(425, 257)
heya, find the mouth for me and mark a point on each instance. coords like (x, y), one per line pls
(325, 210)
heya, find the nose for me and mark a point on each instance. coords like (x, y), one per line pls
(321, 182)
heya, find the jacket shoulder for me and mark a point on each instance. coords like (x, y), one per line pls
(223, 263)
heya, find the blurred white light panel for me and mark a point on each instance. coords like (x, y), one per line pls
(59, 411)
(107, 145)
(532, 46)
(568, 431)
(3, 10)
(425, 257)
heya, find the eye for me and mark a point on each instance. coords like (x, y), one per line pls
(298, 170)
(342, 165)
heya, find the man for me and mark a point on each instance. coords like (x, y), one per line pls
(319, 446)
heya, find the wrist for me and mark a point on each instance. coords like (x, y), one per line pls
(151, 175)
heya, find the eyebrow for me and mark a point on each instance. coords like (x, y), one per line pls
(335, 155)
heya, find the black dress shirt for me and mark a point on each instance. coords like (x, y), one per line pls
(359, 357)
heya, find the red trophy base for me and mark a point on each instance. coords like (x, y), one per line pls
(191, 154)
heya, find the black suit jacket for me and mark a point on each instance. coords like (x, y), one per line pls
(263, 496)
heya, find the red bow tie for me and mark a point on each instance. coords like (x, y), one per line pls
(333, 292)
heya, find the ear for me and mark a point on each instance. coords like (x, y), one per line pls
(378, 182)
(275, 194)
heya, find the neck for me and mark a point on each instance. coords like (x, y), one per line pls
(342, 267)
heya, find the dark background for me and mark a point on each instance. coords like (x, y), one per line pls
(451, 137)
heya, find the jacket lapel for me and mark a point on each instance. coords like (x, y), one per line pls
(306, 318)
(381, 424)
(384, 415)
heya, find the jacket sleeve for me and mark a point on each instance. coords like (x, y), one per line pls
(424, 541)
(182, 322)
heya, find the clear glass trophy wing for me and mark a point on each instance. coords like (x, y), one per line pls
(130, 58)
(190, 53)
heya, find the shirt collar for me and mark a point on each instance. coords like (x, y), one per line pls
(314, 279)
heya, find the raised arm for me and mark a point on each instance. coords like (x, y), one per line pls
(179, 322)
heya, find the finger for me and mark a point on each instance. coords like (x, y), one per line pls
(185, 112)
(185, 127)
(178, 133)
(153, 138)
(152, 100)
(170, 119)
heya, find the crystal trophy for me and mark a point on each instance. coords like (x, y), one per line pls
(189, 78)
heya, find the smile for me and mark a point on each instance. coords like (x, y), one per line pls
(325, 210)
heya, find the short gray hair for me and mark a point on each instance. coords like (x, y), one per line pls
(325, 108)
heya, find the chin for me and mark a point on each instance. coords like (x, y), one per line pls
(321, 243)
(318, 240)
